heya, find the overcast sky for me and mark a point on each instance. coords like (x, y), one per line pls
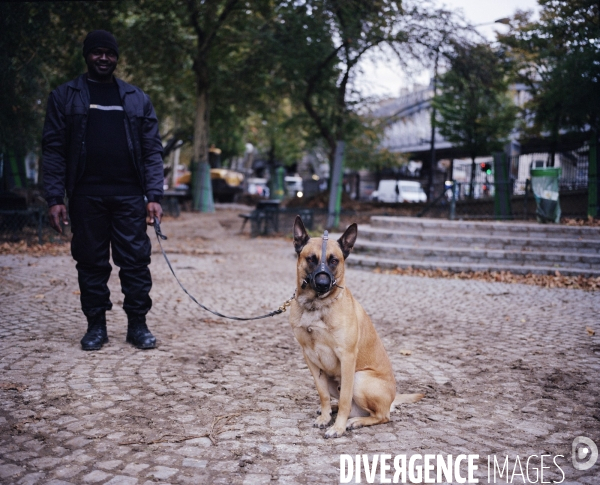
(384, 78)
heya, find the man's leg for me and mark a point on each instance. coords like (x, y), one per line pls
(131, 251)
(90, 225)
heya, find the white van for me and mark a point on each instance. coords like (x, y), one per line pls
(399, 191)
(294, 186)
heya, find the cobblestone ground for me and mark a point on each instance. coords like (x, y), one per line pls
(506, 369)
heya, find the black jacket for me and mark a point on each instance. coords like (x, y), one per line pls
(63, 139)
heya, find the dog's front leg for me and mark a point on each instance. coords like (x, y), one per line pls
(348, 366)
(320, 378)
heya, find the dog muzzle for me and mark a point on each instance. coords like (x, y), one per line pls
(321, 279)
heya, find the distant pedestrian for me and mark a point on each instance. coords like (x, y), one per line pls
(102, 149)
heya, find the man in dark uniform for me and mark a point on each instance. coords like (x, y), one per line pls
(101, 147)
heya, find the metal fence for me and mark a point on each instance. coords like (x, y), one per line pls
(30, 225)
(281, 220)
(489, 205)
(22, 224)
(480, 199)
(573, 164)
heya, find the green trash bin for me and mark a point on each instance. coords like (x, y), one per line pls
(544, 184)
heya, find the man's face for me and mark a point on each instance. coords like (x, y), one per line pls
(101, 63)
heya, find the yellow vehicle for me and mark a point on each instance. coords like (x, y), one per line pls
(225, 183)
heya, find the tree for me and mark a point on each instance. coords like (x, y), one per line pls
(212, 40)
(475, 110)
(40, 48)
(558, 58)
(364, 150)
(319, 44)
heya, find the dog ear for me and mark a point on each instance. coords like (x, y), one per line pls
(301, 237)
(348, 239)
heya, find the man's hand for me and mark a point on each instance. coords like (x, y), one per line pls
(58, 214)
(154, 210)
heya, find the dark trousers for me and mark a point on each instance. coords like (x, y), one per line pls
(119, 223)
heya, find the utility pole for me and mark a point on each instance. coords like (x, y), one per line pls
(432, 161)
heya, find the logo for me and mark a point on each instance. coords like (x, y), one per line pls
(585, 453)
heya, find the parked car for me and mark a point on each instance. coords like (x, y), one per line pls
(258, 186)
(294, 186)
(391, 191)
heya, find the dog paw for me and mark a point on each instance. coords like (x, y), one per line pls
(322, 421)
(334, 432)
(334, 410)
(353, 423)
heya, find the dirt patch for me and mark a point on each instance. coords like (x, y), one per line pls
(211, 362)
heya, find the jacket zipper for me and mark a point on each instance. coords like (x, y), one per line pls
(83, 152)
(132, 151)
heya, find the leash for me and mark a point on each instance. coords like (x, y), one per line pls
(281, 309)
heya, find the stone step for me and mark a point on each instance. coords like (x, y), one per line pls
(490, 228)
(371, 262)
(479, 241)
(478, 256)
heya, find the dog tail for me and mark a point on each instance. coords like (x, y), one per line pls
(406, 399)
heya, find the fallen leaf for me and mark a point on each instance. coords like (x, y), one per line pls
(8, 386)
(39, 297)
(557, 280)
(406, 352)
(590, 331)
(77, 292)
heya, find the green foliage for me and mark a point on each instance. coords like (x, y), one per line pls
(277, 132)
(474, 108)
(559, 60)
(278, 74)
(156, 46)
(364, 149)
(317, 44)
(182, 49)
(40, 48)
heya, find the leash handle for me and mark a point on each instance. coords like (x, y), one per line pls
(281, 309)
(159, 233)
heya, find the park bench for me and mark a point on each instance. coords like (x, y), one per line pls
(264, 220)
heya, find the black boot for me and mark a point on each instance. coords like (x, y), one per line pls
(138, 334)
(96, 335)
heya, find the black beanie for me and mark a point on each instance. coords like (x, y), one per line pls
(99, 38)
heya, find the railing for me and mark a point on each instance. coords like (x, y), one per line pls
(19, 224)
(501, 201)
(573, 174)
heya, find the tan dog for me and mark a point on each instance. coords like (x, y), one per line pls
(341, 347)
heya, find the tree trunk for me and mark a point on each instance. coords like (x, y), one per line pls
(202, 195)
(335, 192)
(331, 156)
(472, 181)
(594, 176)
